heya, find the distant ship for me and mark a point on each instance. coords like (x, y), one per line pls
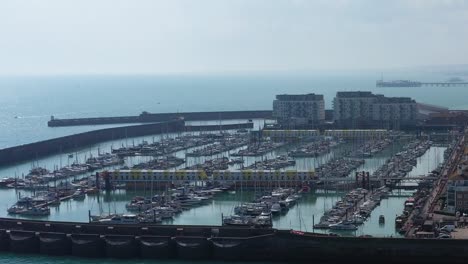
(455, 79)
(398, 83)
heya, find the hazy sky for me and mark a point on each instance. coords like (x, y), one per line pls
(204, 36)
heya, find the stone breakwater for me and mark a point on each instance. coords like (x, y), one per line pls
(34, 150)
(146, 117)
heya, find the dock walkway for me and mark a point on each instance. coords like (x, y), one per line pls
(64, 198)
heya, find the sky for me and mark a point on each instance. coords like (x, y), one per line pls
(220, 36)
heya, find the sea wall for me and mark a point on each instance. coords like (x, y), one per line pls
(220, 243)
(248, 125)
(63, 144)
(146, 117)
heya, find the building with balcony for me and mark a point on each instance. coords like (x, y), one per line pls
(367, 110)
(457, 184)
(299, 110)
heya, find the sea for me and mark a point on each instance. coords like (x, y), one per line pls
(28, 102)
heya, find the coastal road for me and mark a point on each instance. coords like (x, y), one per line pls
(450, 165)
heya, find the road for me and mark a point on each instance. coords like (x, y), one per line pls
(449, 167)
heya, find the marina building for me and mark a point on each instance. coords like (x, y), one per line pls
(299, 110)
(352, 106)
(144, 178)
(395, 112)
(367, 110)
(357, 133)
(457, 196)
(457, 186)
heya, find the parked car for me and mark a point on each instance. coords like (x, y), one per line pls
(444, 232)
(444, 236)
(448, 228)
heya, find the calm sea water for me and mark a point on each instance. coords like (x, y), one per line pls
(27, 103)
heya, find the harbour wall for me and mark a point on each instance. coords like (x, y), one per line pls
(248, 125)
(221, 243)
(62, 144)
(146, 117)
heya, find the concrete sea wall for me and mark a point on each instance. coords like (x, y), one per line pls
(218, 127)
(161, 117)
(218, 243)
(62, 144)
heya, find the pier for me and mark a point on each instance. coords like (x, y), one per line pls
(444, 84)
(408, 83)
(353, 210)
(48, 203)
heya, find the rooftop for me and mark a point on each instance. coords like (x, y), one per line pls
(393, 100)
(354, 94)
(300, 97)
(380, 97)
(459, 177)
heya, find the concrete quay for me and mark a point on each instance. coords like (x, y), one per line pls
(217, 243)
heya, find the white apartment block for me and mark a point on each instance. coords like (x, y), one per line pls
(364, 108)
(301, 108)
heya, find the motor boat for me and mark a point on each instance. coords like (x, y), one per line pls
(16, 209)
(5, 181)
(79, 195)
(126, 219)
(238, 220)
(343, 226)
(275, 209)
(36, 211)
(381, 219)
(357, 220)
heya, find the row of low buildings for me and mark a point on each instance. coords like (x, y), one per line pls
(457, 184)
(350, 110)
(200, 175)
(284, 135)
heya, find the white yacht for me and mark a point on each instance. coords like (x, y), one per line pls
(357, 220)
(128, 219)
(36, 211)
(79, 195)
